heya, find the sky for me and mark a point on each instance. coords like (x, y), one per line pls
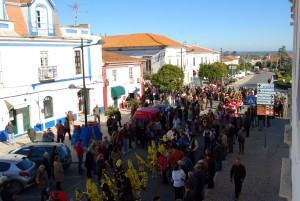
(233, 25)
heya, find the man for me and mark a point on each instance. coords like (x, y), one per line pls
(10, 131)
(189, 193)
(230, 137)
(96, 113)
(238, 172)
(48, 136)
(79, 152)
(60, 132)
(109, 124)
(118, 117)
(70, 117)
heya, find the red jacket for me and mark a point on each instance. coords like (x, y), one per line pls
(79, 149)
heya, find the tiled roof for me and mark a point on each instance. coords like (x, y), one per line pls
(15, 14)
(229, 58)
(138, 40)
(109, 57)
(19, 1)
(197, 49)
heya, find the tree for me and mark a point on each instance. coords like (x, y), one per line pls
(213, 72)
(169, 77)
(283, 56)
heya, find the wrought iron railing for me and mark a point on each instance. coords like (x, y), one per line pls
(47, 73)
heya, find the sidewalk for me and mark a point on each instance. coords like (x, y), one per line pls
(263, 166)
(19, 141)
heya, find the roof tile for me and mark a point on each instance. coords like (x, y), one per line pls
(109, 57)
(138, 40)
(197, 49)
(19, 1)
(15, 14)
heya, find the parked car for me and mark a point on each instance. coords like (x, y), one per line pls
(35, 152)
(20, 171)
(258, 72)
(241, 74)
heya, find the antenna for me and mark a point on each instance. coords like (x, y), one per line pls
(75, 8)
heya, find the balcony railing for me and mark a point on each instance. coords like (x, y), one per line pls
(48, 73)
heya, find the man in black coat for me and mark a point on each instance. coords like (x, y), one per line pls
(189, 193)
(238, 172)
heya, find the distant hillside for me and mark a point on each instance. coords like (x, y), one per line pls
(260, 52)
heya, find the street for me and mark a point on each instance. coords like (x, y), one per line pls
(263, 165)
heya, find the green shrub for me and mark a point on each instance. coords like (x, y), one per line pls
(111, 111)
(278, 75)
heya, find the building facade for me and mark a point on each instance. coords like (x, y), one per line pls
(41, 67)
(123, 77)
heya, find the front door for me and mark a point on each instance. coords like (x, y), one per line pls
(26, 118)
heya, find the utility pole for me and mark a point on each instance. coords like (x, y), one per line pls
(221, 55)
(181, 57)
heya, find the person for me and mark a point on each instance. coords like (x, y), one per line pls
(193, 148)
(238, 173)
(101, 165)
(71, 119)
(178, 177)
(125, 193)
(230, 137)
(118, 117)
(7, 193)
(108, 194)
(241, 138)
(109, 124)
(218, 155)
(42, 179)
(67, 128)
(10, 131)
(247, 123)
(96, 113)
(89, 162)
(58, 172)
(211, 171)
(60, 132)
(156, 198)
(79, 152)
(163, 164)
(200, 176)
(46, 162)
(189, 193)
(48, 136)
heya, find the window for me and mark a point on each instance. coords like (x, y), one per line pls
(114, 74)
(77, 62)
(25, 164)
(41, 21)
(48, 107)
(202, 60)
(4, 166)
(44, 59)
(177, 62)
(169, 61)
(206, 60)
(130, 72)
(194, 61)
(24, 151)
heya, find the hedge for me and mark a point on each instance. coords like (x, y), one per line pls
(278, 75)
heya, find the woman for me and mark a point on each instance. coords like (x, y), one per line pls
(10, 131)
(116, 155)
(241, 138)
(43, 182)
(163, 163)
(101, 165)
(178, 177)
(58, 172)
(47, 164)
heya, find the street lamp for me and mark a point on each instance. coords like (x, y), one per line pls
(99, 42)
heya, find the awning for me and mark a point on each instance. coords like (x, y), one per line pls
(117, 91)
(16, 102)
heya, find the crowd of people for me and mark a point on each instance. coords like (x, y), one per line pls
(186, 144)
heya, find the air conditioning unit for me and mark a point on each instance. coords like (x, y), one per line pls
(138, 80)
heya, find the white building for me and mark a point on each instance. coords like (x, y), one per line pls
(196, 55)
(41, 66)
(157, 50)
(230, 60)
(123, 76)
(290, 171)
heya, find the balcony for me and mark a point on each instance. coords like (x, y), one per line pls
(47, 74)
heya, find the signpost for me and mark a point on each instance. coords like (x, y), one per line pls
(265, 102)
